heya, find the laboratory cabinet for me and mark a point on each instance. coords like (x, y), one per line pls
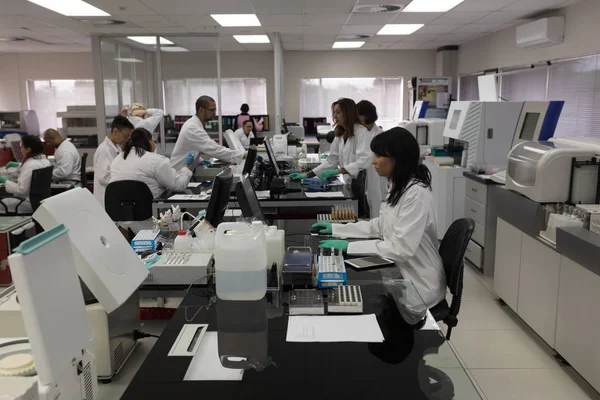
(508, 263)
(448, 186)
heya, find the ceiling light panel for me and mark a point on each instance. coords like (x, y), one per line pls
(150, 40)
(173, 49)
(399, 29)
(252, 38)
(71, 8)
(236, 20)
(431, 5)
(348, 45)
(128, 60)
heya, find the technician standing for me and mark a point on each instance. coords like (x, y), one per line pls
(193, 138)
(68, 161)
(120, 131)
(141, 117)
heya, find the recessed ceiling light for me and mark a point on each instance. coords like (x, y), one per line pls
(149, 40)
(228, 20)
(173, 49)
(431, 5)
(399, 29)
(71, 8)
(128, 60)
(252, 38)
(347, 45)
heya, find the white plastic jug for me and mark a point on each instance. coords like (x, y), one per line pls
(275, 247)
(240, 259)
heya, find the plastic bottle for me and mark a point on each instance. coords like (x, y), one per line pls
(275, 247)
(182, 242)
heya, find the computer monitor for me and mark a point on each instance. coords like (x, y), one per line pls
(219, 197)
(249, 203)
(250, 159)
(271, 155)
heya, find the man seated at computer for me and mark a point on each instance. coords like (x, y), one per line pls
(67, 160)
(193, 138)
(244, 134)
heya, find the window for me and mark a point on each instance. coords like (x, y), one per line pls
(525, 85)
(469, 88)
(181, 95)
(48, 97)
(317, 95)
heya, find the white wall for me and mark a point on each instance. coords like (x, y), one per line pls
(582, 37)
(352, 64)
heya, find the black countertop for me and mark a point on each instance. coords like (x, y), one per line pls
(581, 246)
(478, 178)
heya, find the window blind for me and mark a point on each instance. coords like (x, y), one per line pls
(525, 85)
(469, 88)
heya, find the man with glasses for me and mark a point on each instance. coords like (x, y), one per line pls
(193, 138)
(120, 131)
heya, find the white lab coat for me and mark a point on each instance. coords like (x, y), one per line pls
(104, 156)
(68, 163)
(194, 138)
(377, 186)
(354, 155)
(23, 185)
(152, 169)
(408, 235)
(153, 117)
(244, 140)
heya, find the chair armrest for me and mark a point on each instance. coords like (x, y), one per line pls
(11, 197)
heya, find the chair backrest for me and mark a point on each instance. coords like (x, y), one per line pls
(128, 201)
(452, 251)
(83, 179)
(41, 180)
(359, 189)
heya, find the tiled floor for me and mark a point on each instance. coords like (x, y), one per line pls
(504, 358)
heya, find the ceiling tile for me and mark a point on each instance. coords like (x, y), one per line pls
(318, 38)
(169, 29)
(428, 29)
(291, 39)
(385, 39)
(258, 46)
(329, 6)
(375, 46)
(151, 21)
(483, 5)
(533, 5)
(460, 36)
(324, 19)
(403, 46)
(360, 29)
(195, 7)
(292, 46)
(123, 29)
(288, 29)
(322, 30)
(370, 19)
(416, 18)
(190, 21)
(280, 19)
(122, 8)
(458, 17)
(278, 6)
(419, 38)
(479, 28)
(317, 46)
(502, 17)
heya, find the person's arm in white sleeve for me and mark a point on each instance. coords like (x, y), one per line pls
(103, 169)
(408, 230)
(170, 179)
(363, 155)
(152, 120)
(332, 160)
(201, 143)
(22, 186)
(361, 229)
(64, 166)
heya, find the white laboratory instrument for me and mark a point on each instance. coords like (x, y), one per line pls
(233, 142)
(419, 110)
(542, 171)
(180, 268)
(428, 131)
(280, 145)
(64, 363)
(538, 121)
(297, 131)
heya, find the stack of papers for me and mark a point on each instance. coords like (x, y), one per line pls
(324, 195)
(193, 185)
(334, 328)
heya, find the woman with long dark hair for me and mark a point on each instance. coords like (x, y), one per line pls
(33, 158)
(406, 228)
(350, 152)
(138, 162)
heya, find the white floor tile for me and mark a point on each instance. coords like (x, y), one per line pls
(477, 314)
(445, 358)
(528, 384)
(501, 349)
(463, 387)
(473, 289)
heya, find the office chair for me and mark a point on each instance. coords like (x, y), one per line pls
(452, 250)
(128, 201)
(41, 180)
(359, 189)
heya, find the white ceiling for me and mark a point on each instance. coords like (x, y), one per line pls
(303, 24)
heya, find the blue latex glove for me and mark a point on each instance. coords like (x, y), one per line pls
(12, 164)
(3, 179)
(189, 159)
(326, 228)
(334, 244)
(328, 173)
(297, 177)
(206, 163)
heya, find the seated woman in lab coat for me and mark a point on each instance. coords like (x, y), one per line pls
(405, 230)
(138, 162)
(33, 158)
(350, 152)
(244, 134)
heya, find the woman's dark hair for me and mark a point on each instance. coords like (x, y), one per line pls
(140, 139)
(367, 110)
(34, 144)
(401, 146)
(244, 108)
(348, 108)
(248, 121)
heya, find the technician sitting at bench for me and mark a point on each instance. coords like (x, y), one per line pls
(138, 162)
(68, 160)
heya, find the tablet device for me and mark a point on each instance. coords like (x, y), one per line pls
(369, 262)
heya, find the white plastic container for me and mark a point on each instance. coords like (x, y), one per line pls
(183, 242)
(275, 247)
(240, 260)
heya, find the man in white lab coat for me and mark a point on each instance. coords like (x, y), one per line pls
(68, 161)
(193, 138)
(120, 131)
(141, 117)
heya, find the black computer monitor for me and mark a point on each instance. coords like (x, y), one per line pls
(250, 159)
(271, 155)
(249, 204)
(219, 197)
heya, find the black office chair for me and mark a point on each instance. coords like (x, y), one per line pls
(452, 250)
(83, 180)
(128, 201)
(41, 180)
(359, 189)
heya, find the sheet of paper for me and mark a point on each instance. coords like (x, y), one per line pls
(263, 194)
(192, 185)
(206, 366)
(198, 197)
(334, 328)
(324, 195)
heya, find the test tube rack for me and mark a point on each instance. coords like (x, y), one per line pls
(331, 271)
(345, 299)
(306, 302)
(342, 213)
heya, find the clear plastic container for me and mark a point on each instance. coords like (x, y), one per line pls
(275, 247)
(183, 242)
(240, 260)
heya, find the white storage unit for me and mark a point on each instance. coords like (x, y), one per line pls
(508, 263)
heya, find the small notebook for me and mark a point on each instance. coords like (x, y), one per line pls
(369, 262)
